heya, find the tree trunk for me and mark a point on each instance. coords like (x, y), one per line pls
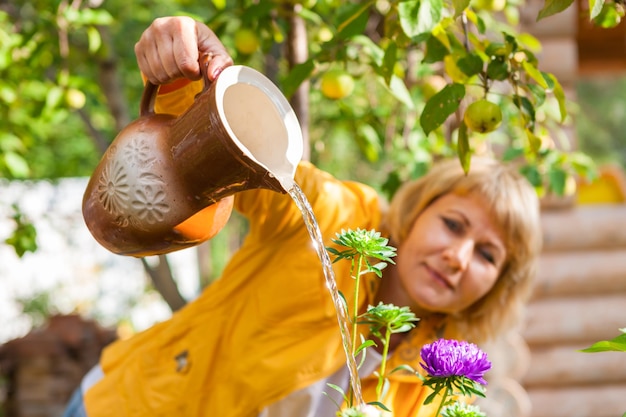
(297, 53)
(161, 277)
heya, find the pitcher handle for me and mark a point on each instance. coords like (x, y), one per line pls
(150, 90)
(204, 69)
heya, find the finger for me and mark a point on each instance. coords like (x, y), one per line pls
(185, 47)
(168, 50)
(209, 43)
(149, 57)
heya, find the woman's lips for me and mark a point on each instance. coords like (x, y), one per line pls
(441, 279)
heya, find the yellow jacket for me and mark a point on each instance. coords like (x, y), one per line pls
(266, 328)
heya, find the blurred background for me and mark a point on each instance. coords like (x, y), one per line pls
(69, 82)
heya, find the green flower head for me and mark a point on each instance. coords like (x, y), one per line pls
(459, 409)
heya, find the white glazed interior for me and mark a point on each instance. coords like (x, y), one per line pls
(260, 121)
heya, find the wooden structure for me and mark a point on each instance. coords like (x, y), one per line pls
(43, 368)
(580, 297)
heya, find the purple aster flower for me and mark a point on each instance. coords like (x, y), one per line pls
(449, 358)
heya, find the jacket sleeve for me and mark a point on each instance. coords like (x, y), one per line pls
(336, 205)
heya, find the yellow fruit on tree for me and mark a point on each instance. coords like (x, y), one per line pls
(337, 83)
(483, 116)
(75, 98)
(489, 5)
(246, 41)
(324, 34)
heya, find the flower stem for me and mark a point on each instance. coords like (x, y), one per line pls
(355, 313)
(443, 401)
(383, 365)
(355, 309)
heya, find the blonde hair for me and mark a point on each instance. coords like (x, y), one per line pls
(515, 207)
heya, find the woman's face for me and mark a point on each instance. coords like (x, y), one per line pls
(452, 256)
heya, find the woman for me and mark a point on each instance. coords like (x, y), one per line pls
(263, 340)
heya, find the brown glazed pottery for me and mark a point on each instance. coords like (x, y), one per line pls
(167, 183)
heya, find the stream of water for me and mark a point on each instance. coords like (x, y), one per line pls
(342, 314)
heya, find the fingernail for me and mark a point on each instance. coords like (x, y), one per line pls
(216, 72)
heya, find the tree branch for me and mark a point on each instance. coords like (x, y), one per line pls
(162, 279)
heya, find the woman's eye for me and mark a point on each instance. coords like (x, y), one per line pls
(488, 256)
(453, 225)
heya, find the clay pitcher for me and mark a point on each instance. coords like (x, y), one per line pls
(167, 182)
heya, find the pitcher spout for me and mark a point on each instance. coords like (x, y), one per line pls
(262, 125)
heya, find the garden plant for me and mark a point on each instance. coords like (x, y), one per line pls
(453, 369)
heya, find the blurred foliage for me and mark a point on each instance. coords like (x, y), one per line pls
(69, 81)
(417, 65)
(38, 307)
(24, 237)
(599, 119)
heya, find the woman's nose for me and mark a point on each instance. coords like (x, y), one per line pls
(459, 253)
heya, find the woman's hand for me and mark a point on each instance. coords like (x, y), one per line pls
(170, 47)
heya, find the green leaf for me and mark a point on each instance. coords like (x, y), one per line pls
(583, 164)
(419, 18)
(557, 178)
(525, 105)
(16, 164)
(363, 346)
(559, 94)
(296, 76)
(535, 74)
(538, 93)
(94, 39)
(534, 141)
(459, 6)
(336, 388)
(498, 69)
(408, 12)
(219, 4)
(532, 174)
(470, 64)
(512, 153)
(389, 61)
(595, 7)
(352, 20)
(610, 16)
(54, 97)
(10, 142)
(463, 148)
(440, 106)
(392, 183)
(529, 41)
(310, 16)
(552, 7)
(617, 344)
(430, 398)
(398, 89)
(24, 237)
(435, 50)
(368, 141)
(403, 367)
(381, 405)
(497, 49)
